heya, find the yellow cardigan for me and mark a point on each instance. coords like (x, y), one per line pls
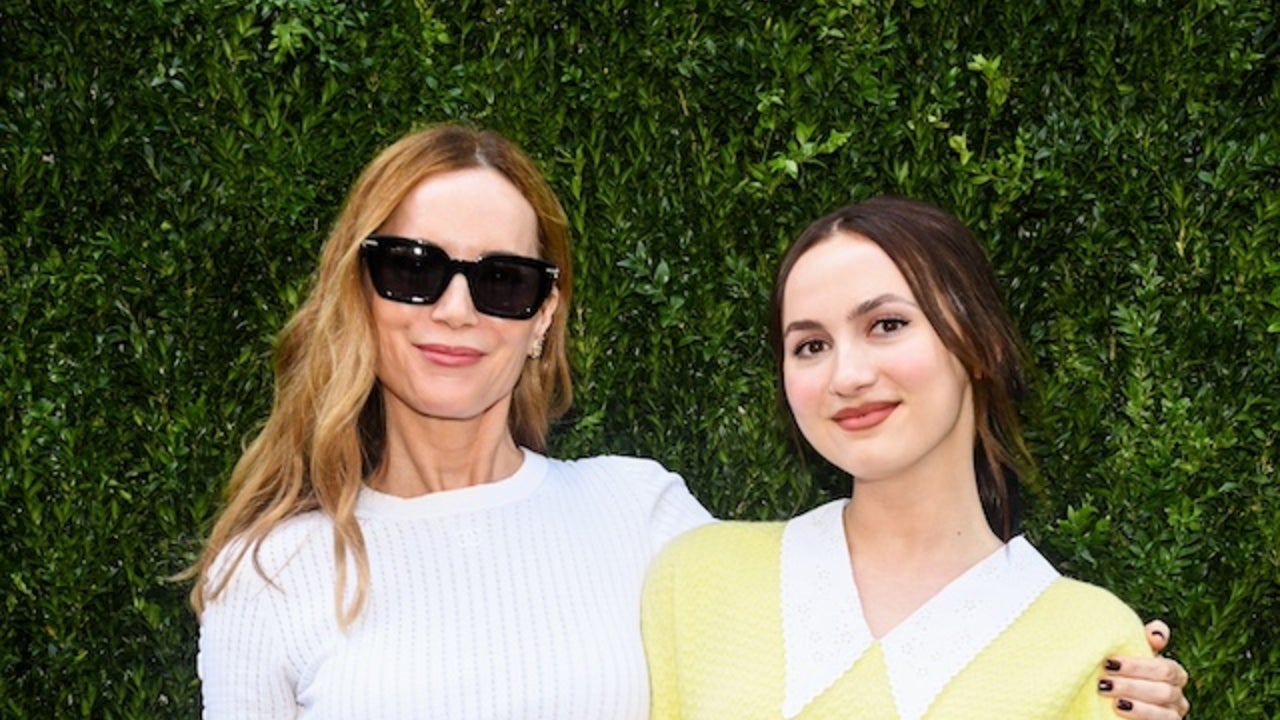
(714, 635)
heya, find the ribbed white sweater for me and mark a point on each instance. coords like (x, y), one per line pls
(515, 599)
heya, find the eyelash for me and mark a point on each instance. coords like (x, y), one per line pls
(805, 348)
(884, 323)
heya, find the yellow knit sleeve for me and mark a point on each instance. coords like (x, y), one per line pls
(711, 623)
(657, 624)
(1122, 634)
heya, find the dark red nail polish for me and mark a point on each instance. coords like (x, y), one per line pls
(1104, 686)
(1112, 665)
(1124, 705)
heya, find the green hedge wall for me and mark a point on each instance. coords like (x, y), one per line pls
(169, 168)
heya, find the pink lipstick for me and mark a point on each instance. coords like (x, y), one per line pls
(450, 355)
(864, 417)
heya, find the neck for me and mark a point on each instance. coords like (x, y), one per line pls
(424, 455)
(908, 538)
(914, 523)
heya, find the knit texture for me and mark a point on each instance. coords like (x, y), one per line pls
(514, 599)
(713, 632)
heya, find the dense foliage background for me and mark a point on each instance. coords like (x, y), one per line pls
(168, 169)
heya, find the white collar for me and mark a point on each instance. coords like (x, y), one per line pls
(824, 631)
(505, 491)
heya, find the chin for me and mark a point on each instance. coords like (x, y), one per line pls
(870, 470)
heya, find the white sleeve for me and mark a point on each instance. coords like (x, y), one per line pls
(675, 512)
(244, 672)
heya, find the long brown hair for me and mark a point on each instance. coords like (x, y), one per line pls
(949, 274)
(326, 430)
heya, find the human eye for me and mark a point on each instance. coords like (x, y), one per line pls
(889, 325)
(808, 348)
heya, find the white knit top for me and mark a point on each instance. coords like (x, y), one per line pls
(515, 599)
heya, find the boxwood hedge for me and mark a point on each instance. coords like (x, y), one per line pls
(168, 169)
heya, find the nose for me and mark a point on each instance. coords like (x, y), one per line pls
(454, 307)
(855, 369)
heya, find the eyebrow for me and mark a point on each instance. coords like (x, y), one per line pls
(867, 306)
(863, 308)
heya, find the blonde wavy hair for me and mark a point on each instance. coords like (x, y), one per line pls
(325, 433)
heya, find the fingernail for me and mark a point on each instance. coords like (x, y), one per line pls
(1104, 686)
(1124, 705)
(1158, 633)
(1112, 665)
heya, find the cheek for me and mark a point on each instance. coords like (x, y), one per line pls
(922, 362)
(933, 372)
(385, 320)
(917, 369)
(389, 316)
(803, 389)
(390, 322)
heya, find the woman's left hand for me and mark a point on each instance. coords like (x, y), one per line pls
(1147, 688)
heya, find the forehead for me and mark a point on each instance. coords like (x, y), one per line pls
(841, 270)
(469, 213)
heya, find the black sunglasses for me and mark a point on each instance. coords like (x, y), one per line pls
(410, 271)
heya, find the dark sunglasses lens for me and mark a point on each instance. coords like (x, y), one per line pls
(409, 273)
(507, 287)
(504, 286)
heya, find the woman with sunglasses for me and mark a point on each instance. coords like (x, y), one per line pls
(394, 544)
(915, 598)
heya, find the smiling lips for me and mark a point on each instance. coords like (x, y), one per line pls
(864, 417)
(449, 355)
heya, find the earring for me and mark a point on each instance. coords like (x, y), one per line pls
(536, 351)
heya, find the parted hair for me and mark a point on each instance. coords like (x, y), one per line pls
(326, 430)
(951, 277)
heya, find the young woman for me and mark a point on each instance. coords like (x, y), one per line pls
(914, 598)
(394, 545)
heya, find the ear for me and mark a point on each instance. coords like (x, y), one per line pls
(547, 313)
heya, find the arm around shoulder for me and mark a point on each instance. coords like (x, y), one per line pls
(671, 510)
(1117, 631)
